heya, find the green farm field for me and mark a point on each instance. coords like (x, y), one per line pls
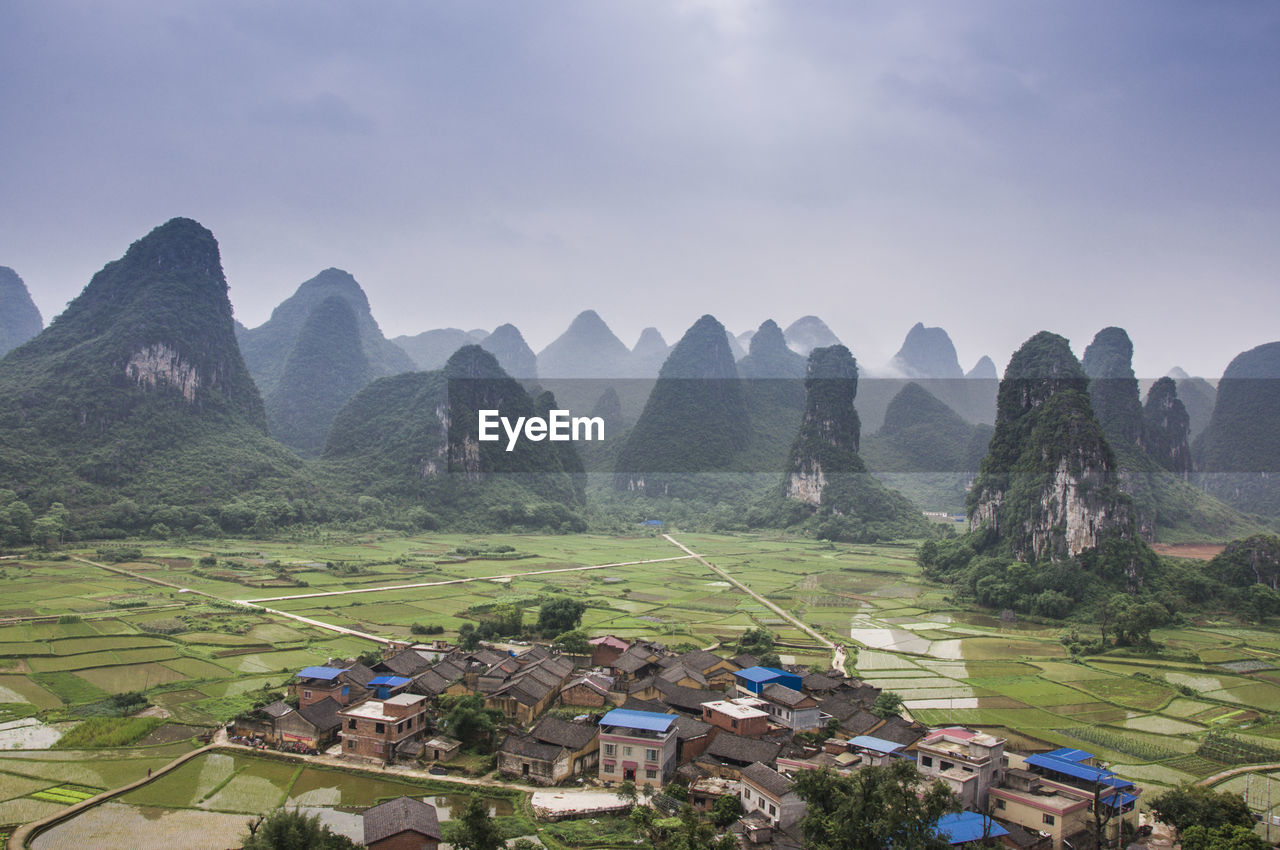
(951, 664)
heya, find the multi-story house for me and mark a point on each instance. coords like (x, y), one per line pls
(374, 728)
(637, 746)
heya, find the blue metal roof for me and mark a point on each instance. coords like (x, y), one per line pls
(650, 721)
(1079, 771)
(959, 827)
(760, 674)
(320, 672)
(1068, 754)
(390, 681)
(879, 745)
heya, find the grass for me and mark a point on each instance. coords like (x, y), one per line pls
(100, 732)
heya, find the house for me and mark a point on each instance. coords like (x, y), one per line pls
(440, 748)
(730, 753)
(768, 793)
(523, 691)
(961, 828)
(402, 824)
(793, 709)
(407, 663)
(374, 728)
(553, 751)
(874, 751)
(637, 746)
(750, 681)
(1054, 793)
(704, 669)
(704, 792)
(388, 686)
(591, 690)
(742, 716)
(313, 726)
(261, 721)
(970, 763)
(639, 661)
(605, 650)
(344, 685)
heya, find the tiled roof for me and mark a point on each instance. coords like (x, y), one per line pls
(735, 748)
(323, 715)
(404, 814)
(575, 736)
(768, 779)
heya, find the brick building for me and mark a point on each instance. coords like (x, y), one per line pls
(374, 728)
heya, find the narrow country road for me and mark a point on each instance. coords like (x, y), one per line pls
(838, 652)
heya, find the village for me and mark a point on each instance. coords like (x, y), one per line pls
(665, 727)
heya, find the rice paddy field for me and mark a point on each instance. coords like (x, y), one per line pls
(206, 802)
(74, 633)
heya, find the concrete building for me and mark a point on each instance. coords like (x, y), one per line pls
(743, 716)
(344, 685)
(637, 746)
(791, 708)
(374, 728)
(1055, 793)
(970, 763)
(768, 793)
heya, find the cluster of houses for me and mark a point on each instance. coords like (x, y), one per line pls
(635, 711)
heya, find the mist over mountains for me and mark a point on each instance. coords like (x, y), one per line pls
(146, 391)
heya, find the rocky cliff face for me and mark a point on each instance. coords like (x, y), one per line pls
(1048, 486)
(1113, 388)
(829, 433)
(1168, 428)
(20, 319)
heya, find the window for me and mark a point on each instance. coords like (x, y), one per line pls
(927, 761)
(650, 755)
(999, 803)
(1048, 819)
(306, 694)
(734, 721)
(773, 810)
(650, 773)
(946, 765)
(626, 751)
(351, 745)
(609, 749)
(351, 723)
(379, 728)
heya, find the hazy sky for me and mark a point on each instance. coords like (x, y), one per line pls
(992, 167)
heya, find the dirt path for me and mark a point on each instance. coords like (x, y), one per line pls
(320, 594)
(837, 659)
(26, 832)
(1210, 781)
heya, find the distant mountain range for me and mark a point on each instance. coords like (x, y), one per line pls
(20, 319)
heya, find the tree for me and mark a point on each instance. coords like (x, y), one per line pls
(627, 792)
(1229, 837)
(726, 810)
(1195, 805)
(471, 723)
(693, 834)
(574, 642)
(873, 807)
(560, 615)
(887, 705)
(468, 639)
(290, 829)
(475, 830)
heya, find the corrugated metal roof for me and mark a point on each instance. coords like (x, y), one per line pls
(1079, 771)
(390, 681)
(761, 674)
(650, 721)
(1068, 754)
(959, 827)
(320, 672)
(879, 745)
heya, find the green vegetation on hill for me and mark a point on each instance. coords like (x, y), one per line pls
(922, 434)
(1113, 388)
(1167, 427)
(1239, 452)
(695, 421)
(20, 319)
(587, 349)
(514, 354)
(326, 367)
(826, 488)
(267, 347)
(138, 392)
(413, 439)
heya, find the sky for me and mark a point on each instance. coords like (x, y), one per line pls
(992, 167)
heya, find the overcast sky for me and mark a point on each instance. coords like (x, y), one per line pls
(991, 167)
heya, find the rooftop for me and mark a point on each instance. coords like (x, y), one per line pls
(404, 814)
(961, 827)
(761, 674)
(327, 673)
(375, 709)
(877, 745)
(649, 721)
(735, 708)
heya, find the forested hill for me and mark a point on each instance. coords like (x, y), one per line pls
(138, 392)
